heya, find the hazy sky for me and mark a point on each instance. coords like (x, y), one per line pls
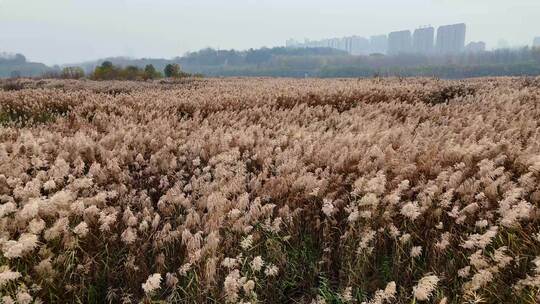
(63, 31)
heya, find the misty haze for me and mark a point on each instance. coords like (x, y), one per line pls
(257, 151)
(273, 38)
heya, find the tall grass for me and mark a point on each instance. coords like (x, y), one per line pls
(270, 191)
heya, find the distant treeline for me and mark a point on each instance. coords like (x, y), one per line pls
(206, 59)
(108, 71)
(314, 62)
(303, 62)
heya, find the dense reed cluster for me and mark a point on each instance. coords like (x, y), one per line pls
(270, 191)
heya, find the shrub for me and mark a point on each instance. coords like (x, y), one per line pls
(72, 73)
(173, 71)
(150, 72)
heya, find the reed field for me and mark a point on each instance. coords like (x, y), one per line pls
(261, 190)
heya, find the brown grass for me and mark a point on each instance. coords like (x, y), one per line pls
(270, 191)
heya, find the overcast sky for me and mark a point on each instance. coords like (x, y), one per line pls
(64, 31)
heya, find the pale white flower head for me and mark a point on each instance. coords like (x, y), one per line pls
(229, 263)
(16, 249)
(49, 185)
(405, 238)
(271, 270)
(171, 279)
(416, 251)
(247, 242)
(410, 210)
(257, 263)
(384, 296)
(353, 216)
(249, 286)
(481, 223)
(346, 295)
(318, 300)
(231, 286)
(23, 297)
(393, 231)
(7, 300)
(152, 283)
(7, 275)
(129, 236)
(183, 270)
(390, 290)
(81, 230)
(464, 272)
(328, 207)
(7, 208)
(478, 280)
(425, 287)
(36, 226)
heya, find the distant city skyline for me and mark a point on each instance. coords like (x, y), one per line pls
(422, 41)
(71, 31)
(450, 39)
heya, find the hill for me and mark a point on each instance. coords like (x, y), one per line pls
(17, 66)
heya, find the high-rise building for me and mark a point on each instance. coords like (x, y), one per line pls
(353, 45)
(476, 47)
(334, 43)
(378, 44)
(536, 42)
(348, 41)
(399, 42)
(358, 46)
(451, 38)
(423, 39)
(291, 43)
(343, 44)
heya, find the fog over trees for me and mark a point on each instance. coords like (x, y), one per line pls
(292, 62)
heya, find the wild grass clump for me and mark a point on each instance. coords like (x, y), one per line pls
(447, 93)
(12, 85)
(17, 109)
(270, 191)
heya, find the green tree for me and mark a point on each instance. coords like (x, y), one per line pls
(72, 73)
(107, 65)
(131, 73)
(172, 70)
(106, 71)
(150, 72)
